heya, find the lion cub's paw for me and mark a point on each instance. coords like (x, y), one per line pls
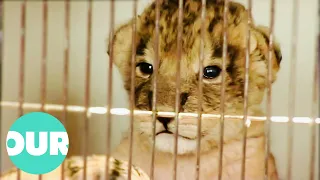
(73, 170)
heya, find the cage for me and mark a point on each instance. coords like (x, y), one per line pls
(62, 37)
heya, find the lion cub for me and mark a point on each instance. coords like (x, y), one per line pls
(212, 81)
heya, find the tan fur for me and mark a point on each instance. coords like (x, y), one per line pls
(166, 87)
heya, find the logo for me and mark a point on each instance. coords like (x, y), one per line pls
(37, 143)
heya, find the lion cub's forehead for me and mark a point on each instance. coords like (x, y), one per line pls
(191, 22)
(189, 61)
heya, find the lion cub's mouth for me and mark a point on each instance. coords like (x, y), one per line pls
(169, 132)
(165, 131)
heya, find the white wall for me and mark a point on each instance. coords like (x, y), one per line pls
(306, 54)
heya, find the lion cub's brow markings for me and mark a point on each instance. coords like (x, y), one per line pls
(232, 51)
(168, 21)
(142, 45)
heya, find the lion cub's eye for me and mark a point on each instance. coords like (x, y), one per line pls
(144, 69)
(211, 72)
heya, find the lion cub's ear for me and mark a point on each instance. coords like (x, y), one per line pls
(276, 47)
(253, 43)
(122, 43)
(261, 34)
(238, 36)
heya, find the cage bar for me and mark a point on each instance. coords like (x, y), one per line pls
(269, 90)
(315, 112)
(22, 64)
(200, 87)
(223, 76)
(314, 115)
(65, 94)
(1, 61)
(109, 87)
(313, 127)
(87, 89)
(43, 80)
(132, 84)
(246, 90)
(317, 98)
(292, 85)
(154, 88)
(178, 86)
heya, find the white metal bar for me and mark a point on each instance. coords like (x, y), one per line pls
(125, 112)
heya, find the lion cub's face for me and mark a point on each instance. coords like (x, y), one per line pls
(212, 70)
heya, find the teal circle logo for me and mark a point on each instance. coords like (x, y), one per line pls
(37, 143)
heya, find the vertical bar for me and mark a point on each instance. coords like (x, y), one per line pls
(315, 106)
(269, 81)
(22, 64)
(66, 70)
(44, 55)
(318, 82)
(1, 75)
(246, 90)
(200, 86)
(222, 100)
(132, 85)
(87, 90)
(43, 81)
(109, 88)
(292, 85)
(178, 87)
(154, 94)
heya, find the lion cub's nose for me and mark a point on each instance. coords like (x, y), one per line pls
(165, 121)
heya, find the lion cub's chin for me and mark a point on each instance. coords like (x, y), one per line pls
(165, 143)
